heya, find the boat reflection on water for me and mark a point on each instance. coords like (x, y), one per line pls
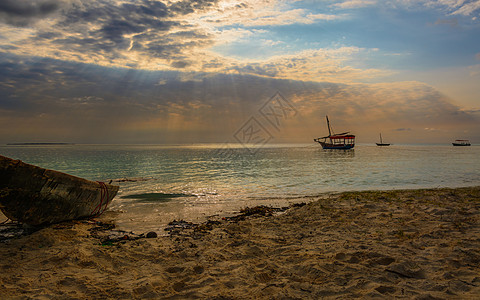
(337, 153)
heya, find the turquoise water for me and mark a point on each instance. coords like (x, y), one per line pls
(161, 183)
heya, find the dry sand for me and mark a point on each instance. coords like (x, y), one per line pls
(414, 244)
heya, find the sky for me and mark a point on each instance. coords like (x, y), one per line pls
(224, 71)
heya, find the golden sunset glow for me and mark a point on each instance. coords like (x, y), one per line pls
(172, 71)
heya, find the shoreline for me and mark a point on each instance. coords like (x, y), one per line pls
(410, 244)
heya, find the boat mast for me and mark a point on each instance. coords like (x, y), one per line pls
(328, 125)
(381, 142)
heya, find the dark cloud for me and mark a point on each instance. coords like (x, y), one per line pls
(38, 96)
(116, 29)
(267, 70)
(403, 129)
(180, 64)
(25, 12)
(48, 35)
(109, 31)
(100, 11)
(190, 6)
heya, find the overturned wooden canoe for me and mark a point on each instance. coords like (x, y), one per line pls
(36, 196)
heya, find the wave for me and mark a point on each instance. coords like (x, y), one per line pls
(157, 197)
(133, 179)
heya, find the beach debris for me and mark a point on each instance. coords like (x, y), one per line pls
(184, 228)
(105, 232)
(261, 210)
(109, 236)
(207, 226)
(102, 226)
(151, 235)
(180, 224)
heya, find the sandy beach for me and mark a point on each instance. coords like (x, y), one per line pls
(411, 244)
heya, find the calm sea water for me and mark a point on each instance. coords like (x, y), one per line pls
(161, 183)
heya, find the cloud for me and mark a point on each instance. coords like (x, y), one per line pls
(51, 100)
(251, 13)
(122, 33)
(467, 9)
(26, 12)
(403, 129)
(190, 6)
(453, 7)
(180, 64)
(322, 65)
(350, 4)
(187, 35)
(113, 30)
(474, 71)
(179, 35)
(450, 22)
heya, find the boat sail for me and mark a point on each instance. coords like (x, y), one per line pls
(341, 141)
(381, 142)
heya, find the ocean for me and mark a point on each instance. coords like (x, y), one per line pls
(161, 183)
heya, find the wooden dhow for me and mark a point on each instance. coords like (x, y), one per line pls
(36, 196)
(340, 141)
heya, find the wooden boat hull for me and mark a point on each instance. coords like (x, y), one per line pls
(337, 147)
(461, 143)
(36, 196)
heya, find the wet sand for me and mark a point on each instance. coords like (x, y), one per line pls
(412, 244)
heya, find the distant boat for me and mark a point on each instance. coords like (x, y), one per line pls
(37, 196)
(381, 142)
(341, 141)
(461, 143)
